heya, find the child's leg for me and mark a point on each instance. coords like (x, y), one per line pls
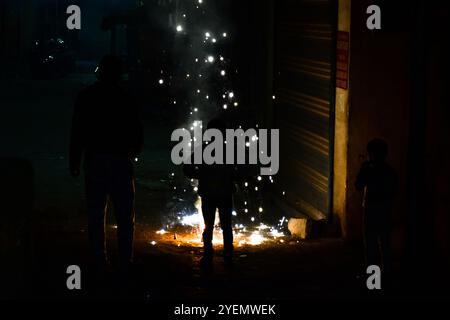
(209, 215)
(225, 213)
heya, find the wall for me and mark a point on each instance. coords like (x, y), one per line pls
(379, 104)
(399, 82)
(341, 134)
(437, 151)
(17, 32)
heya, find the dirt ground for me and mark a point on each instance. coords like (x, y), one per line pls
(35, 125)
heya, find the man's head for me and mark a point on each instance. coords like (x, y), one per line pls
(377, 150)
(109, 69)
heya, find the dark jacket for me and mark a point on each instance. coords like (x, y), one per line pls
(105, 121)
(214, 181)
(379, 181)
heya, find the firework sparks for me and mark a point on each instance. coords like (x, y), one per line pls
(186, 224)
(188, 230)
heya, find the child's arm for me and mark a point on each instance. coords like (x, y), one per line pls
(191, 171)
(243, 172)
(363, 177)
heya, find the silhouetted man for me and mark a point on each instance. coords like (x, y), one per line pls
(216, 188)
(107, 135)
(378, 180)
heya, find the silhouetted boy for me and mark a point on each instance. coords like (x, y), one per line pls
(378, 180)
(216, 188)
(107, 134)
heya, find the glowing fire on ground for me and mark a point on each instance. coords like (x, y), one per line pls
(190, 229)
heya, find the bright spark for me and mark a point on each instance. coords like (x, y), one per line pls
(256, 239)
(275, 233)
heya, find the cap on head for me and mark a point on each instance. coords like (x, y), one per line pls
(110, 69)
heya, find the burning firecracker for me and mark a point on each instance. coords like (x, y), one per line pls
(201, 81)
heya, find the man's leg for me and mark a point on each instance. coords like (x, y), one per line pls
(225, 213)
(209, 215)
(97, 199)
(122, 196)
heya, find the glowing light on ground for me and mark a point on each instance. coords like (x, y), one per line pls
(189, 229)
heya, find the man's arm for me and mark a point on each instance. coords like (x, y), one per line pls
(137, 129)
(76, 138)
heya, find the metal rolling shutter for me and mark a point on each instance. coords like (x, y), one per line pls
(304, 109)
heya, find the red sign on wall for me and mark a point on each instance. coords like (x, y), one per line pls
(343, 40)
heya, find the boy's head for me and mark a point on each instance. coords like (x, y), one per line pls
(377, 150)
(218, 124)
